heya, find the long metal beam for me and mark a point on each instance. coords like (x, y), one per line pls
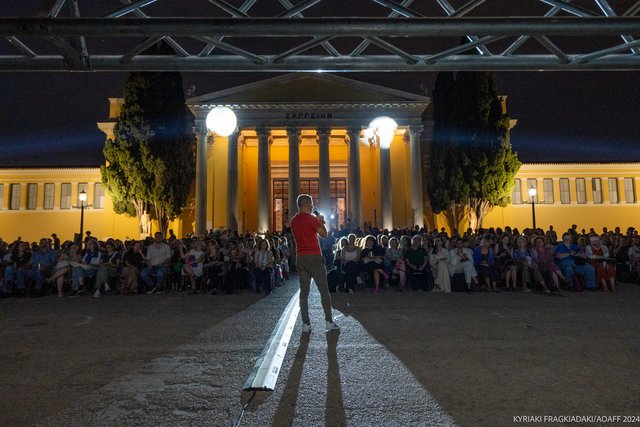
(333, 27)
(220, 63)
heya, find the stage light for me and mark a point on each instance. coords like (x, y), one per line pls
(222, 121)
(384, 128)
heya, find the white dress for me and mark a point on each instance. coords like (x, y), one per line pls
(441, 266)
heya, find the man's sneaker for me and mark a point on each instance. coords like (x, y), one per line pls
(97, 294)
(331, 326)
(306, 328)
(152, 291)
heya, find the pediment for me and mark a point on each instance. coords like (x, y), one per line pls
(307, 88)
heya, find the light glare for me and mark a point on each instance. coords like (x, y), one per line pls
(222, 121)
(383, 127)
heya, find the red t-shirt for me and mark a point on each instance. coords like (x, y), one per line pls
(305, 230)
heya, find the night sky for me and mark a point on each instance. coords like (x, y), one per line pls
(50, 118)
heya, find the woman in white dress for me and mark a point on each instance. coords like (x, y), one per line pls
(441, 265)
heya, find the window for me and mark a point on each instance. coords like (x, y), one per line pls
(596, 185)
(516, 195)
(629, 190)
(49, 193)
(613, 190)
(533, 183)
(565, 193)
(83, 186)
(98, 196)
(32, 196)
(547, 187)
(15, 197)
(1, 196)
(65, 196)
(581, 191)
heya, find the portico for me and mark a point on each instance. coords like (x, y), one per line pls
(305, 133)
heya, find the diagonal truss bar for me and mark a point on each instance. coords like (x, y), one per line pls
(398, 8)
(131, 7)
(301, 48)
(50, 8)
(300, 7)
(449, 10)
(258, 59)
(633, 10)
(564, 5)
(365, 43)
(140, 48)
(462, 48)
(230, 9)
(211, 45)
(23, 47)
(522, 39)
(608, 11)
(604, 52)
(467, 8)
(393, 49)
(551, 47)
(70, 53)
(326, 45)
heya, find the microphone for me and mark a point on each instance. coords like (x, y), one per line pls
(316, 213)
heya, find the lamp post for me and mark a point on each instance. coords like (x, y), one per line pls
(532, 195)
(83, 198)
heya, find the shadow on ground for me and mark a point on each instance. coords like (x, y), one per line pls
(489, 357)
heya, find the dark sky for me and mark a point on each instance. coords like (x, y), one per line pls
(50, 118)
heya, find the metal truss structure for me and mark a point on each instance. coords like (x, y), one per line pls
(324, 35)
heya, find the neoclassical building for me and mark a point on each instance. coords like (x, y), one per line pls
(306, 133)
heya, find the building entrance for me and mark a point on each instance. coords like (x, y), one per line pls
(311, 186)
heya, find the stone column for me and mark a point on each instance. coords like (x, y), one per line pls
(386, 188)
(264, 192)
(416, 175)
(324, 135)
(355, 200)
(232, 181)
(201, 132)
(293, 135)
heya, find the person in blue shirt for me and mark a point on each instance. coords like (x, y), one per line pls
(42, 263)
(572, 260)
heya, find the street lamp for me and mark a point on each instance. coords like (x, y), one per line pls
(83, 198)
(532, 195)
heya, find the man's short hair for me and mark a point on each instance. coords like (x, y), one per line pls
(303, 199)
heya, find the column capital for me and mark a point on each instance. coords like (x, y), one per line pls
(294, 131)
(353, 132)
(323, 130)
(262, 131)
(416, 128)
(200, 128)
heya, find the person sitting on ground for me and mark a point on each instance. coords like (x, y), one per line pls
(599, 258)
(133, 260)
(157, 261)
(193, 260)
(416, 260)
(372, 262)
(109, 266)
(86, 268)
(440, 265)
(485, 262)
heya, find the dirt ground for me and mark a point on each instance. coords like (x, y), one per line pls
(486, 358)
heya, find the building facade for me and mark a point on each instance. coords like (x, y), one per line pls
(307, 133)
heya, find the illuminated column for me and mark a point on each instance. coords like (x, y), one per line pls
(325, 172)
(263, 179)
(416, 175)
(201, 176)
(355, 201)
(232, 181)
(294, 169)
(386, 188)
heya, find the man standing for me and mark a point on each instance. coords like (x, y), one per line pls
(306, 228)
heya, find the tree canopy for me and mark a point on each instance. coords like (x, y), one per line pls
(151, 160)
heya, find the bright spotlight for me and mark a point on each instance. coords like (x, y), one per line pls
(383, 127)
(222, 121)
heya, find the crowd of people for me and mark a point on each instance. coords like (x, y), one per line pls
(223, 262)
